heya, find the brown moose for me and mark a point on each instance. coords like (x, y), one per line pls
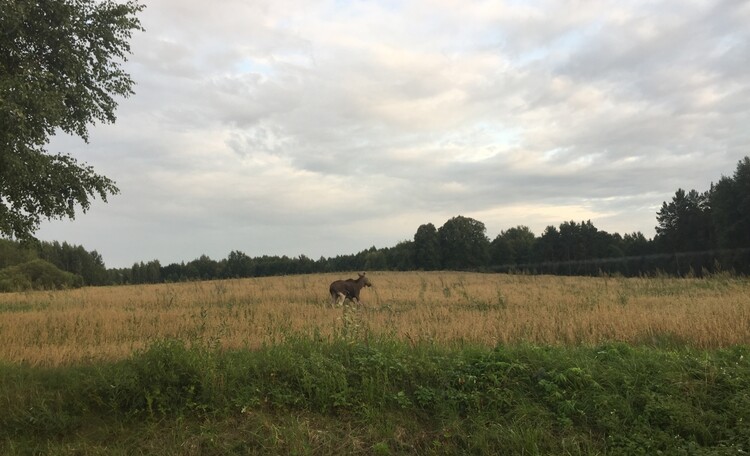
(341, 290)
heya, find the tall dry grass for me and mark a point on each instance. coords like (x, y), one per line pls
(107, 323)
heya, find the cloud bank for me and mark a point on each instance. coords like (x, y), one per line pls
(326, 127)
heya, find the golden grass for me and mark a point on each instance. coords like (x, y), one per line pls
(107, 323)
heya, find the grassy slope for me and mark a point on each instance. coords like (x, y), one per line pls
(304, 396)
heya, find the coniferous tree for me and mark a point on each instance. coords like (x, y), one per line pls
(684, 224)
(635, 244)
(730, 207)
(547, 246)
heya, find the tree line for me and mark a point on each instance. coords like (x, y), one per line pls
(49, 265)
(695, 233)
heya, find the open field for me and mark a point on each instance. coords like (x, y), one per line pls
(433, 363)
(445, 308)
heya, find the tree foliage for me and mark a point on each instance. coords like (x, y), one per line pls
(37, 274)
(730, 205)
(463, 243)
(60, 70)
(427, 248)
(684, 224)
(513, 246)
(12, 253)
(76, 260)
(49, 265)
(635, 243)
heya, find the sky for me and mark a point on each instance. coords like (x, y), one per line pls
(322, 128)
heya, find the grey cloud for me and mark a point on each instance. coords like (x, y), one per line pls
(253, 124)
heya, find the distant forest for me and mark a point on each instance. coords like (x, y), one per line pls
(696, 233)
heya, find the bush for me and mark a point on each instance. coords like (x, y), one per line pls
(611, 399)
(167, 379)
(37, 275)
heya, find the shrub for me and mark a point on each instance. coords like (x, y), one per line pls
(37, 275)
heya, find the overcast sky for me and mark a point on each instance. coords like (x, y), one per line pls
(326, 127)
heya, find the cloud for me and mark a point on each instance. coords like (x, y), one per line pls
(325, 127)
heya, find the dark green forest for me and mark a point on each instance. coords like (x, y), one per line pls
(696, 233)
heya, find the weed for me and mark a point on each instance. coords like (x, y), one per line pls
(381, 395)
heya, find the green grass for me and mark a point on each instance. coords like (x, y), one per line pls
(303, 396)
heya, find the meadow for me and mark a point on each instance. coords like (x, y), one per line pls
(430, 363)
(445, 308)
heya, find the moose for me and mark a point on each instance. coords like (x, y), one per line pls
(341, 290)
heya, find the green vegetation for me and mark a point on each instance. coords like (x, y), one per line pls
(60, 70)
(48, 266)
(359, 396)
(37, 275)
